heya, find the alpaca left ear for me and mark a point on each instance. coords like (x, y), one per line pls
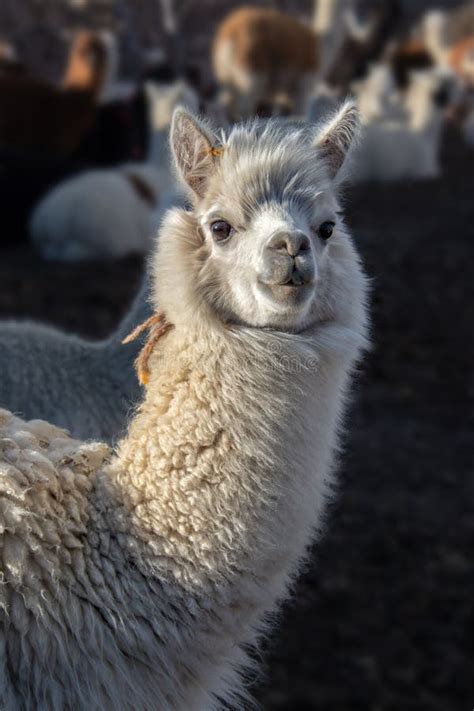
(335, 138)
(193, 150)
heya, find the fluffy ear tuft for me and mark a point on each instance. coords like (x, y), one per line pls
(193, 150)
(335, 138)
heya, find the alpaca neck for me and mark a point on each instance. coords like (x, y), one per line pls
(435, 40)
(329, 27)
(213, 469)
(212, 497)
(325, 15)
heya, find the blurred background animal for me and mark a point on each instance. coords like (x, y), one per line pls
(88, 388)
(114, 212)
(264, 61)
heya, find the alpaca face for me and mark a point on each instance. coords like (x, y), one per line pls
(265, 266)
(266, 217)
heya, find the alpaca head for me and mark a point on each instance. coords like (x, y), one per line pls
(265, 239)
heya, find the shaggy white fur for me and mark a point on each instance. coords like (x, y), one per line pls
(139, 583)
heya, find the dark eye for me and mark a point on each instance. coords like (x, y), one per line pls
(325, 230)
(221, 230)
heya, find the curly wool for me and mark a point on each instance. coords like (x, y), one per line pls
(131, 585)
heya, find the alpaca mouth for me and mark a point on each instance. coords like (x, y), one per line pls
(289, 293)
(295, 280)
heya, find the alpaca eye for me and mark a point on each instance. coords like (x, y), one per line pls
(221, 230)
(325, 230)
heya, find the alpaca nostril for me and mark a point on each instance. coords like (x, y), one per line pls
(279, 244)
(291, 243)
(305, 243)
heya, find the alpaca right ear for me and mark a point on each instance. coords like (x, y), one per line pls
(334, 140)
(193, 150)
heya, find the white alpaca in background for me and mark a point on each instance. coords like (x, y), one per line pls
(433, 34)
(138, 579)
(377, 96)
(114, 212)
(392, 149)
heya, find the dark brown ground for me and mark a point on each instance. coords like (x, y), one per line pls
(383, 619)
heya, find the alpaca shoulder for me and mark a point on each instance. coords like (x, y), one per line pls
(45, 480)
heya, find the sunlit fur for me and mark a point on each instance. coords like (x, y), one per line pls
(140, 584)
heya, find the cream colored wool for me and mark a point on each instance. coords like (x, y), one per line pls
(137, 583)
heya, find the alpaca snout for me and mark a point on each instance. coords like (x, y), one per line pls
(288, 259)
(278, 270)
(289, 243)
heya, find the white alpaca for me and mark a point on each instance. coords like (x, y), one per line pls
(139, 583)
(393, 149)
(86, 387)
(113, 212)
(377, 96)
(433, 34)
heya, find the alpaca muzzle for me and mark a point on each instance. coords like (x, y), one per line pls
(288, 260)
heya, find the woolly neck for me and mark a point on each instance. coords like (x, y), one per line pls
(218, 462)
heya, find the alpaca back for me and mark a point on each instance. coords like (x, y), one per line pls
(99, 213)
(88, 388)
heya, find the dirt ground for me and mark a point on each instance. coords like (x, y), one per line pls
(383, 618)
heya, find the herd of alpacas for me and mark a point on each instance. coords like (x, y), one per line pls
(70, 151)
(160, 489)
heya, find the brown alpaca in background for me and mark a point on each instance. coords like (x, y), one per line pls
(263, 58)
